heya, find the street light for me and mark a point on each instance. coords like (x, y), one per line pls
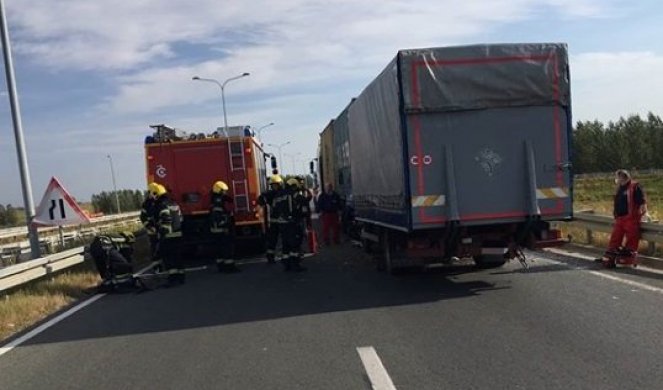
(260, 129)
(293, 158)
(28, 203)
(117, 198)
(223, 95)
(279, 147)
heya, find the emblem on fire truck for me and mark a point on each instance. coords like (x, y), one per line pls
(161, 171)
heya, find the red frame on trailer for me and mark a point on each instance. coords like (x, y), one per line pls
(416, 100)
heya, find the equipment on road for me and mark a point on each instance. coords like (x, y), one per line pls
(456, 152)
(112, 255)
(622, 256)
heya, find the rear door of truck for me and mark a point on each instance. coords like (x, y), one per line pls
(488, 134)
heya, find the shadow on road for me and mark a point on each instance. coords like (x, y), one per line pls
(340, 279)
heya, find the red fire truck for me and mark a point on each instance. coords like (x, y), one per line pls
(189, 164)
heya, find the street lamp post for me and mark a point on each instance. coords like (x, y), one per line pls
(293, 159)
(263, 127)
(223, 95)
(28, 202)
(117, 198)
(279, 147)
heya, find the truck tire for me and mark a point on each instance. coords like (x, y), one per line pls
(489, 261)
(387, 257)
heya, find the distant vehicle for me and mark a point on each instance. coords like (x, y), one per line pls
(188, 165)
(457, 152)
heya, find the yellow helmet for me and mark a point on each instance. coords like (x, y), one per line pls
(219, 186)
(161, 190)
(153, 188)
(293, 182)
(275, 179)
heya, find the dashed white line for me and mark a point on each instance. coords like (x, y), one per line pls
(377, 374)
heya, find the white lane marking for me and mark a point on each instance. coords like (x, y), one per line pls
(378, 375)
(602, 274)
(15, 343)
(43, 327)
(629, 282)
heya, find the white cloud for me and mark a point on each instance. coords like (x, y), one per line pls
(299, 44)
(307, 58)
(606, 86)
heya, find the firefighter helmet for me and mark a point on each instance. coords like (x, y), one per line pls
(275, 179)
(161, 190)
(293, 182)
(153, 188)
(219, 186)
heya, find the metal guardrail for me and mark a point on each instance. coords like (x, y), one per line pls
(18, 274)
(19, 249)
(22, 232)
(650, 232)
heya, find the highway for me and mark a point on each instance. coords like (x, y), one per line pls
(563, 324)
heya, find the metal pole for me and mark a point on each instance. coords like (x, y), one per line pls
(223, 95)
(117, 198)
(18, 134)
(281, 161)
(223, 101)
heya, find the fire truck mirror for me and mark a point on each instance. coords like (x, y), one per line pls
(273, 162)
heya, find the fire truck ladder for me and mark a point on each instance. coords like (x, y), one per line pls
(238, 174)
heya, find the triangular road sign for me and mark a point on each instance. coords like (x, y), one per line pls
(58, 208)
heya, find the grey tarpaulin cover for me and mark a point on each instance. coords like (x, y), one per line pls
(494, 81)
(433, 80)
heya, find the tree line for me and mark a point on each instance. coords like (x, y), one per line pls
(11, 216)
(130, 200)
(632, 143)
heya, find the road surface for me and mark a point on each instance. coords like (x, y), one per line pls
(564, 324)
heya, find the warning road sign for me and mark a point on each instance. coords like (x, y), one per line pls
(58, 208)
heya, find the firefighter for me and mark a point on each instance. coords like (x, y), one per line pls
(147, 218)
(222, 227)
(295, 230)
(112, 257)
(169, 231)
(630, 207)
(277, 202)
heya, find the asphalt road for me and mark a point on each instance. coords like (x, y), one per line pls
(561, 325)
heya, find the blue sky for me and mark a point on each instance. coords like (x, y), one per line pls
(92, 75)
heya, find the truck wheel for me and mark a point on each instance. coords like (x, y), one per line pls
(489, 261)
(387, 254)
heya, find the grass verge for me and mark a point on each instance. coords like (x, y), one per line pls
(25, 306)
(22, 307)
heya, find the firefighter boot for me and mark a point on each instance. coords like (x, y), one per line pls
(295, 264)
(228, 267)
(181, 277)
(287, 264)
(270, 258)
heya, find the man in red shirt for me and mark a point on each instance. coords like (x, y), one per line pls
(630, 206)
(329, 205)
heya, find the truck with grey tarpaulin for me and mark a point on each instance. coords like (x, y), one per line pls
(462, 152)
